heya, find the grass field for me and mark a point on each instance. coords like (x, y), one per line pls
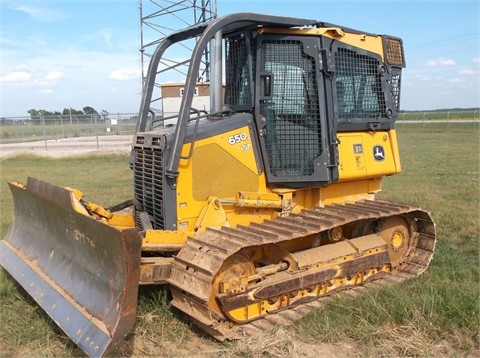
(436, 314)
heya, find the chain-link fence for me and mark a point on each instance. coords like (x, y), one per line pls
(431, 121)
(27, 129)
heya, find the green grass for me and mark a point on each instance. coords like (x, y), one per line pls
(106, 179)
(436, 314)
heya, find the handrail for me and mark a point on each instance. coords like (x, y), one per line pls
(192, 111)
(190, 152)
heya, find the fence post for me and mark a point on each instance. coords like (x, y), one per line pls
(96, 128)
(61, 123)
(44, 131)
(119, 129)
(78, 127)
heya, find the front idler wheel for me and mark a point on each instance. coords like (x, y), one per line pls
(231, 278)
(396, 233)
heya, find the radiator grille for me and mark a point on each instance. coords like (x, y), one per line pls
(358, 85)
(395, 85)
(292, 113)
(148, 179)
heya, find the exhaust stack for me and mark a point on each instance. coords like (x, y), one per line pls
(216, 101)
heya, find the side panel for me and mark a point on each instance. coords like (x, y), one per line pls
(365, 155)
(217, 171)
(222, 164)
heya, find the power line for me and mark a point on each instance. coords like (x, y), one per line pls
(467, 36)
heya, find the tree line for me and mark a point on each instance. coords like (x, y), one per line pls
(87, 111)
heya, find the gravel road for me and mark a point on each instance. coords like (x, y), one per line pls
(70, 146)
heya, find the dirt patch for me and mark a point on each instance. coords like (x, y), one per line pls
(281, 342)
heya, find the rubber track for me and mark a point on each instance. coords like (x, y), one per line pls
(198, 261)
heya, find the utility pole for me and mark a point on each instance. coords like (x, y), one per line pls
(159, 18)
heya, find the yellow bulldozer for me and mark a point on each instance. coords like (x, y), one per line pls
(250, 211)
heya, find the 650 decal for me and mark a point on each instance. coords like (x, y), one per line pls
(237, 138)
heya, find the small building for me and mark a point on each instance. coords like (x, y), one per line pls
(172, 94)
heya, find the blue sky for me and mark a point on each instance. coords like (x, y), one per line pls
(70, 53)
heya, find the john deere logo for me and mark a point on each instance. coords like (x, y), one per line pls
(378, 153)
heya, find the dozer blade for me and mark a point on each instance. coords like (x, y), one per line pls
(81, 271)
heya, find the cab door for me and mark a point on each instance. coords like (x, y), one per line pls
(290, 115)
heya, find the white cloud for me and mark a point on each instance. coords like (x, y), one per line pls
(51, 79)
(54, 75)
(476, 60)
(46, 91)
(76, 77)
(422, 77)
(24, 77)
(467, 71)
(40, 14)
(104, 37)
(124, 74)
(465, 83)
(440, 63)
(456, 80)
(19, 76)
